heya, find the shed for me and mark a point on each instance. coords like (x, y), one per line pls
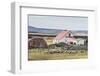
(37, 42)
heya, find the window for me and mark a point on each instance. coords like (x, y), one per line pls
(69, 35)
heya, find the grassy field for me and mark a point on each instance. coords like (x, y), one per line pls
(43, 54)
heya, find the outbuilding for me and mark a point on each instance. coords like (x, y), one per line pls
(37, 42)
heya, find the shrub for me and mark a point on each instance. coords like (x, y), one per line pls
(65, 46)
(61, 44)
(77, 47)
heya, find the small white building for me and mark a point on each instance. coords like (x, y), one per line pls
(80, 41)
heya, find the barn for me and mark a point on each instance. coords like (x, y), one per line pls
(66, 37)
(37, 42)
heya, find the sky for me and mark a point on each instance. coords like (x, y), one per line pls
(58, 22)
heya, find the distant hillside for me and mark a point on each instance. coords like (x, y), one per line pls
(54, 31)
(43, 30)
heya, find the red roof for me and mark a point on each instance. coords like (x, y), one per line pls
(63, 34)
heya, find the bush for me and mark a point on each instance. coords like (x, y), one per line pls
(65, 46)
(61, 44)
(77, 47)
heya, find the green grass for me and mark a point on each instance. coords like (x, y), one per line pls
(43, 54)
